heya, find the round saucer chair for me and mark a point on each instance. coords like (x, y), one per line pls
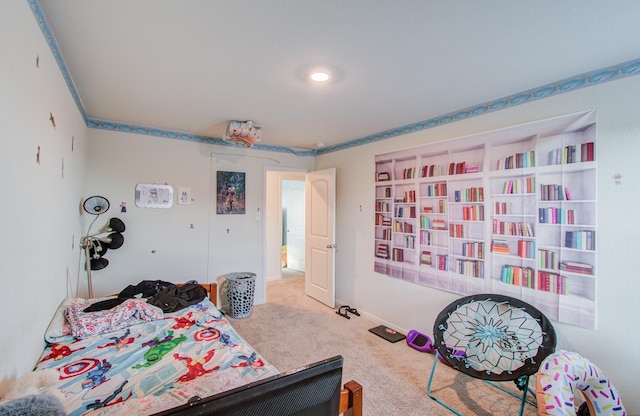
(494, 338)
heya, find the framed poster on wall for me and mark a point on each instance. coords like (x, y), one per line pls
(230, 192)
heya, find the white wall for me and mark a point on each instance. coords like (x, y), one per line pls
(40, 207)
(405, 305)
(216, 245)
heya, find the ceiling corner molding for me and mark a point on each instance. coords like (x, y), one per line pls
(149, 131)
(172, 134)
(36, 8)
(589, 79)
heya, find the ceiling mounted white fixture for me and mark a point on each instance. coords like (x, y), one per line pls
(320, 76)
(243, 133)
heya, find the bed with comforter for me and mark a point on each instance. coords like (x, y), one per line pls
(136, 359)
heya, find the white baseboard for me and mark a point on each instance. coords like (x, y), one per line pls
(369, 317)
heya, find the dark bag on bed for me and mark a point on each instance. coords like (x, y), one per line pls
(174, 298)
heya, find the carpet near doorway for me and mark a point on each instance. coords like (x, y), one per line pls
(292, 330)
(288, 273)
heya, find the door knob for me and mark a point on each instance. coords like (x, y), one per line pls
(331, 246)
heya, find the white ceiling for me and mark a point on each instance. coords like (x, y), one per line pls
(193, 65)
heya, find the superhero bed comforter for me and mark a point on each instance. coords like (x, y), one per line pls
(135, 359)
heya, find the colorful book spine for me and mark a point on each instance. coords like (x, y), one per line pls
(581, 240)
(552, 282)
(470, 268)
(518, 161)
(517, 276)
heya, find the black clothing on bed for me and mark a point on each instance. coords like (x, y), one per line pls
(144, 289)
(172, 299)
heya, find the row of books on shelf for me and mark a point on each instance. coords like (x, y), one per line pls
(576, 267)
(407, 197)
(409, 212)
(383, 192)
(427, 238)
(397, 254)
(552, 282)
(517, 275)
(553, 215)
(409, 241)
(502, 208)
(441, 207)
(383, 220)
(427, 223)
(475, 250)
(384, 234)
(523, 229)
(549, 259)
(512, 274)
(582, 240)
(383, 176)
(473, 213)
(402, 227)
(425, 258)
(457, 168)
(473, 194)
(382, 251)
(408, 173)
(470, 268)
(439, 261)
(519, 186)
(428, 171)
(525, 277)
(457, 231)
(382, 206)
(554, 193)
(524, 248)
(518, 161)
(584, 152)
(435, 189)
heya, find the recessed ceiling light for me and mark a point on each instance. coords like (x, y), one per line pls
(319, 76)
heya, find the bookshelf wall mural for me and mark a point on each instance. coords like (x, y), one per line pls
(511, 211)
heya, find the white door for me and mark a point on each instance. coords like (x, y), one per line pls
(293, 197)
(320, 228)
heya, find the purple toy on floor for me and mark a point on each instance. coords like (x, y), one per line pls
(423, 343)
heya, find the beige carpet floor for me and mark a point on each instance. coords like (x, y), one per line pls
(292, 330)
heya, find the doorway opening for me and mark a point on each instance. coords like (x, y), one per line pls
(285, 225)
(293, 228)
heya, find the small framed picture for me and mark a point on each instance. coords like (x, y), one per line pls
(184, 196)
(154, 196)
(231, 193)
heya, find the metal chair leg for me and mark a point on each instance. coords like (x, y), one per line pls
(440, 402)
(524, 380)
